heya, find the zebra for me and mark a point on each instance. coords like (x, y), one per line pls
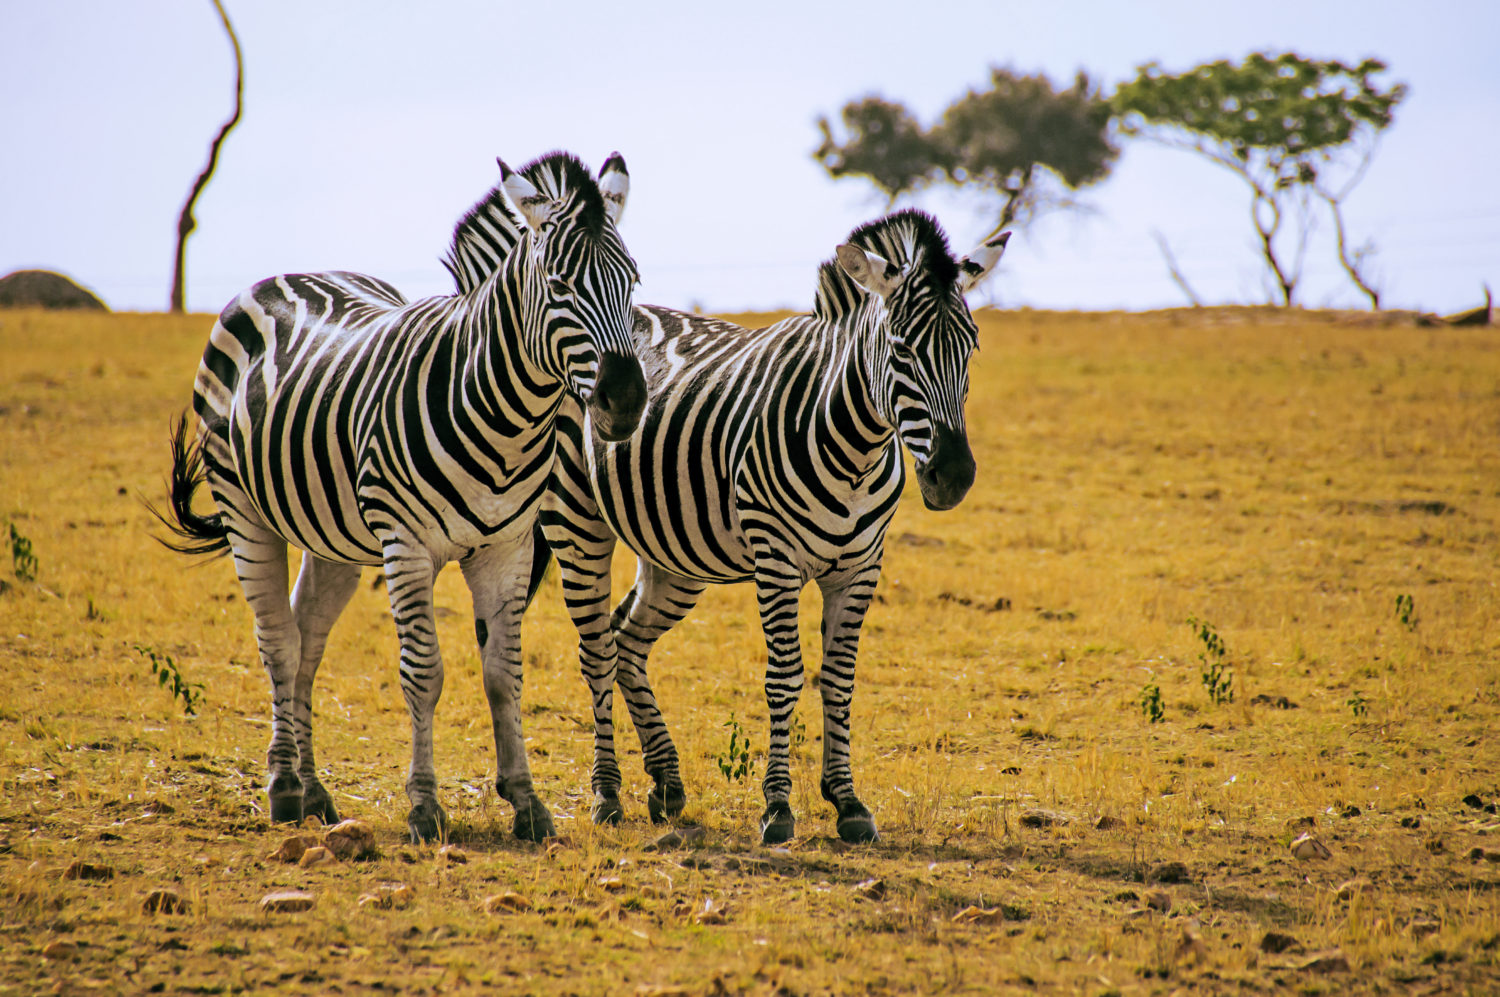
(773, 456)
(337, 417)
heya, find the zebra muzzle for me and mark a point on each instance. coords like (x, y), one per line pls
(948, 473)
(619, 397)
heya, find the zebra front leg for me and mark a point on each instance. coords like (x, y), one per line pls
(777, 585)
(260, 561)
(657, 602)
(322, 591)
(409, 573)
(845, 602)
(497, 578)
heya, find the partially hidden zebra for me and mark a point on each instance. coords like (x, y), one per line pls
(335, 416)
(770, 455)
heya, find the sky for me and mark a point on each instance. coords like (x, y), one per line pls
(370, 127)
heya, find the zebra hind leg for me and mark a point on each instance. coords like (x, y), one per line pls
(322, 591)
(658, 602)
(777, 585)
(260, 560)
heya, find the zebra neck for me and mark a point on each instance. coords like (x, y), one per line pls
(850, 430)
(502, 382)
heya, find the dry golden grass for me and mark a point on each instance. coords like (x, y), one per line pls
(1284, 476)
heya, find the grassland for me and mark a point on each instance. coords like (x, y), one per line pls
(1283, 476)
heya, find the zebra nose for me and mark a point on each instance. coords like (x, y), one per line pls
(948, 473)
(619, 396)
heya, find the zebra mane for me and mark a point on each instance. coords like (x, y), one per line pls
(482, 240)
(907, 239)
(490, 229)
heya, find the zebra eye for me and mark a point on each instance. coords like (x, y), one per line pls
(900, 349)
(558, 286)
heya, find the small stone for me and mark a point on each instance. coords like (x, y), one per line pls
(614, 884)
(1332, 961)
(1423, 928)
(59, 948)
(351, 840)
(452, 854)
(709, 914)
(980, 915)
(1108, 823)
(1483, 855)
(164, 901)
(287, 902)
(1276, 942)
(672, 839)
(1043, 818)
(1308, 847)
(1159, 900)
(506, 903)
(1349, 889)
(1473, 802)
(1412, 822)
(871, 889)
(387, 896)
(1168, 872)
(78, 869)
(293, 848)
(1350, 811)
(316, 856)
(1297, 823)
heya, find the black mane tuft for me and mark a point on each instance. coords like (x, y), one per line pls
(562, 175)
(907, 238)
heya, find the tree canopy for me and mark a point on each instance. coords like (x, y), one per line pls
(1019, 138)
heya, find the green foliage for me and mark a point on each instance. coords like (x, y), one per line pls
(1151, 703)
(1406, 612)
(22, 558)
(1357, 704)
(1292, 128)
(735, 762)
(1218, 679)
(1016, 138)
(170, 678)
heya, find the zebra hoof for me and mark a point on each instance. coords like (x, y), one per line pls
(317, 803)
(777, 824)
(427, 823)
(665, 802)
(607, 809)
(858, 829)
(286, 809)
(533, 822)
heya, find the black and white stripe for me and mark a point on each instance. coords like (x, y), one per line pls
(365, 430)
(772, 456)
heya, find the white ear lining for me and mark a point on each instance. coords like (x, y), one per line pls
(614, 185)
(534, 206)
(977, 265)
(866, 269)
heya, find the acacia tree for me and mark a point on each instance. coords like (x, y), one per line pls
(1020, 140)
(185, 221)
(1297, 131)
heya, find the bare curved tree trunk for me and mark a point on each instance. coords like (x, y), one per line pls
(185, 222)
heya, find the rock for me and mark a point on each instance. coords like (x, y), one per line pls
(1108, 823)
(164, 901)
(351, 840)
(1349, 889)
(980, 915)
(59, 948)
(1307, 847)
(710, 914)
(78, 869)
(1331, 961)
(1412, 822)
(388, 895)
(1168, 872)
(452, 854)
(1159, 900)
(1483, 855)
(293, 848)
(672, 839)
(1423, 928)
(315, 857)
(871, 889)
(614, 884)
(1277, 942)
(287, 902)
(1473, 802)
(506, 903)
(1350, 811)
(1043, 818)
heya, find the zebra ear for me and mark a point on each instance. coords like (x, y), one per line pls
(614, 184)
(534, 206)
(976, 266)
(873, 273)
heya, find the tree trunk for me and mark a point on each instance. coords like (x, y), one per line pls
(185, 221)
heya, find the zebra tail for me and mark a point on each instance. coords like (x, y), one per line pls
(200, 534)
(541, 560)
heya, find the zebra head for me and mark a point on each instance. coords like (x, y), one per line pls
(578, 282)
(923, 339)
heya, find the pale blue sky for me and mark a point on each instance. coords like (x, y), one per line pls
(371, 126)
